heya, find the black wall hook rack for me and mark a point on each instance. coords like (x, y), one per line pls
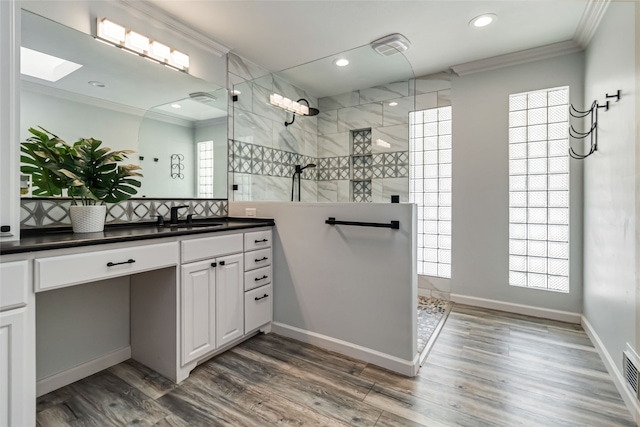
(177, 166)
(592, 133)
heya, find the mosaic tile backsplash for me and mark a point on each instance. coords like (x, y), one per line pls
(51, 212)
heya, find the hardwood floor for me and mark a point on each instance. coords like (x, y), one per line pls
(487, 368)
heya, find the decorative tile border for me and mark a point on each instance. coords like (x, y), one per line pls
(48, 212)
(254, 159)
(258, 160)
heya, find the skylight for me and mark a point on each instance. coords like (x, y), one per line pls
(43, 66)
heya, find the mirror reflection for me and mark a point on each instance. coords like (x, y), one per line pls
(125, 101)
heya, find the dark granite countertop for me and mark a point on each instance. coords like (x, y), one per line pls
(60, 238)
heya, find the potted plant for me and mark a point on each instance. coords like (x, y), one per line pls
(90, 175)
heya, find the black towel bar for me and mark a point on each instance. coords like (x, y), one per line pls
(393, 224)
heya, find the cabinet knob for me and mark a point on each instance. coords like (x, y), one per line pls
(213, 264)
(221, 262)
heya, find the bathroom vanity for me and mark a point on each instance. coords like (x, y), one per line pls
(194, 291)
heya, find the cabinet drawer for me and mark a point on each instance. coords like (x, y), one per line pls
(257, 240)
(257, 259)
(211, 247)
(67, 270)
(255, 278)
(14, 284)
(258, 308)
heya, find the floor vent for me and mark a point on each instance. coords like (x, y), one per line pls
(630, 365)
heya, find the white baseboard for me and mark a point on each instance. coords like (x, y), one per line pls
(528, 310)
(408, 368)
(614, 372)
(79, 372)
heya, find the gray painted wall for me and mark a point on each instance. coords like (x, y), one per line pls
(610, 251)
(356, 284)
(93, 323)
(481, 187)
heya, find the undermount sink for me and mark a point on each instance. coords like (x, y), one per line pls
(194, 225)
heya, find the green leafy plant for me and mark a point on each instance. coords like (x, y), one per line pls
(90, 174)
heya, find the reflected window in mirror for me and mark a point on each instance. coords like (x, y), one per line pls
(205, 169)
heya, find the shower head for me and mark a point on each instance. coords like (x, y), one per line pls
(312, 112)
(300, 168)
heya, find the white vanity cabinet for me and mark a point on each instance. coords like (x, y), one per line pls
(17, 346)
(212, 294)
(212, 305)
(258, 298)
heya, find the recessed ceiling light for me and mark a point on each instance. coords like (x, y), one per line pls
(176, 105)
(483, 20)
(393, 104)
(97, 84)
(341, 62)
(44, 66)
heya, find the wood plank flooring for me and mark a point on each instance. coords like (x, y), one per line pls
(486, 368)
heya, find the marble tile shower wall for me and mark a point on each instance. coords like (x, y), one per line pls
(260, 146)
(262, 150)
(385, 110)
(50, 212)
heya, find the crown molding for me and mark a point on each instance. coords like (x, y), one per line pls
(517, 58)
(82, 99)
(174, 25)
(593, 13)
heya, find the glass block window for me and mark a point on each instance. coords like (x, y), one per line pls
(205, 169)
(430, 187)
(539, 189)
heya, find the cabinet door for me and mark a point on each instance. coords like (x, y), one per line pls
(13, 384)
(230, 298)
(198, 294)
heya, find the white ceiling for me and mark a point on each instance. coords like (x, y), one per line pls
(282, 34)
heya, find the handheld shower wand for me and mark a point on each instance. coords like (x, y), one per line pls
(298, 172)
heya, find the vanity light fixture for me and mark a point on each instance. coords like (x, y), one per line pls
(132, 42)
(288, 104)
(483, 20)
(341, 62)
(137, 42)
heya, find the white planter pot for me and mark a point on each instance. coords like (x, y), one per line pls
(87, 219)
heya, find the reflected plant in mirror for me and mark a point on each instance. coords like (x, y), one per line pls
(89, 174)
(130, 103)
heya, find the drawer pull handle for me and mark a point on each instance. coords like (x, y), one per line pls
(261, 259)
(129, 261)
(259, 298)
(257, 279)
(260, 241)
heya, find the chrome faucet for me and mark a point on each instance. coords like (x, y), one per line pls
(174, 214)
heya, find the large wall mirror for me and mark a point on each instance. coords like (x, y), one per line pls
(176, 123)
